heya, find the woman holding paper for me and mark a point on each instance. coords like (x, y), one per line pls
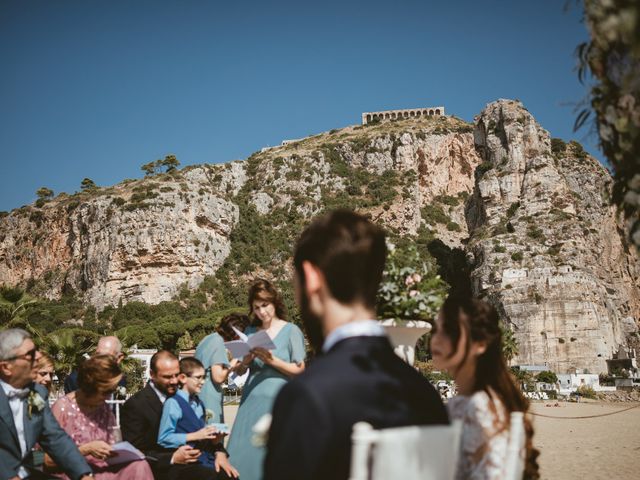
(88, 420)
(269, 371)
(212, 354)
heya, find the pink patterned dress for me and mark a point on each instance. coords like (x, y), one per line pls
(85, 427)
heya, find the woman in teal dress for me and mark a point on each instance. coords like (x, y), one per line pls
(269, 371)
(213, 355)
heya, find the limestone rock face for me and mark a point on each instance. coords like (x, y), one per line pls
(444, 164)
(110, 253)
(529, 212)
(144, 240)
(549, 251)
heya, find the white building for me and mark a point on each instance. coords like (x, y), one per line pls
(144, 356)
(569, 382)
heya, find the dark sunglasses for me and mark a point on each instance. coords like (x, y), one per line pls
(30, 356)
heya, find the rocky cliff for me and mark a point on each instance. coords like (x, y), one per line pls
(530, 214)
(547, 247)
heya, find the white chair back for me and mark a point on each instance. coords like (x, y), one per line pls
(407, 453)
(516, 448)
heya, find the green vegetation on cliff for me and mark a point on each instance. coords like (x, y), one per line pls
(301, 180)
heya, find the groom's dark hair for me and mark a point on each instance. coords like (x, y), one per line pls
(349, 250)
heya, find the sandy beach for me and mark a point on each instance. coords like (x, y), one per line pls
(579, 448)
(605, 447)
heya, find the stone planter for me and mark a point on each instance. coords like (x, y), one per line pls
(404, 335)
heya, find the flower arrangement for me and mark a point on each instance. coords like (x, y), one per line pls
(410, 288)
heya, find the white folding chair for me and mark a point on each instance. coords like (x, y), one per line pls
(514, 467)
(407, 453)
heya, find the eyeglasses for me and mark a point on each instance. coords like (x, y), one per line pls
(30, 356)
(198, 378)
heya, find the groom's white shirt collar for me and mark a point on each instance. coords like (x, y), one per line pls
(17, 410)
(357, 328)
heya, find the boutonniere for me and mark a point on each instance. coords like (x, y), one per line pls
(208, 415)
(34, 403)
(121, 392)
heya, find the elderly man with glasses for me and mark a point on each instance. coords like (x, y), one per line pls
(27, 419)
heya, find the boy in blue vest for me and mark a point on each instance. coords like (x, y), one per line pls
(183, 415)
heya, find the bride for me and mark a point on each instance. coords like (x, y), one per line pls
(466, 341)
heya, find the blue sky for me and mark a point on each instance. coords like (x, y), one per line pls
(98, 88)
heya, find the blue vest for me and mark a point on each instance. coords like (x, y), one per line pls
(190, 423)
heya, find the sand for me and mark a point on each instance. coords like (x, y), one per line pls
(592, 448)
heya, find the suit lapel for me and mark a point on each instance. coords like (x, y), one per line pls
(30, 421)
(6, 415)
(153, 400)
(27, 422)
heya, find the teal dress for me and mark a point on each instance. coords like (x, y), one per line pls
(210, 352)
(258, 395)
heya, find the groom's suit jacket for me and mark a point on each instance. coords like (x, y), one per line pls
(43, 428)
(358, 379)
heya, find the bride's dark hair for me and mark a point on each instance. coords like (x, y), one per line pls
(481, 323)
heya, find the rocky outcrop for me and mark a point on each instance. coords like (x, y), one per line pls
(137, 241)
(530, 213)
(144, 240)
(548, 249)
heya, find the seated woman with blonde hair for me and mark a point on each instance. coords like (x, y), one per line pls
(87, 418)
(43, 370)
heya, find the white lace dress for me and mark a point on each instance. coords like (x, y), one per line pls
(485, 436)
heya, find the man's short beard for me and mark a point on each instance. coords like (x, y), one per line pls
(312, 324)
(165, 389)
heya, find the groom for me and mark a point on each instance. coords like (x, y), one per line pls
(25, 417)
(338, 264)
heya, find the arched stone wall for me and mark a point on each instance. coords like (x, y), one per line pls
(388, 115)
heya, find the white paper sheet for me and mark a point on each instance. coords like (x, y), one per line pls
(124, 453)
(242, 347)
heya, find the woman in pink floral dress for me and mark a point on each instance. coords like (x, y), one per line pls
(88, 420)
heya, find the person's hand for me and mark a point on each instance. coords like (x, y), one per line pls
(233, 363)
(222, 462)
(97, 449)
(265, 355)
(246, 360)
(241, 367)
(206, 433)
(185, 454)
